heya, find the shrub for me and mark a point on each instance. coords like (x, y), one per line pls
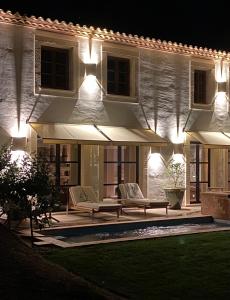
(20, 183)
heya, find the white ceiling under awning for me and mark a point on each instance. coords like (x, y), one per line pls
(123, 135)
(211, 139)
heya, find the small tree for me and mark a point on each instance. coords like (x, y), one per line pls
(18, 182)
(175, 193)
(175, 172)
(8, 182)
(41, 186)
(5, 157)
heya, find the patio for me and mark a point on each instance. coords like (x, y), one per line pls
(75, 218)
(78, 218)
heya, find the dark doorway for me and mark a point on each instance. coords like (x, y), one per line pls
(199, 171)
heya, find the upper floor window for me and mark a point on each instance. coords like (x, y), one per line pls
(200, 85)
(55, 68)
(118, 76)
(203, 84)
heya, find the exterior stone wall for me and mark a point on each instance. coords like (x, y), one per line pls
(162, 89)
(216, 205)
(162, 95)
(16, 76)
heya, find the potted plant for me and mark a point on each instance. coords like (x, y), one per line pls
(175, 191)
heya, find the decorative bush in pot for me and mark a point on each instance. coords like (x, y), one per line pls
(175, 191)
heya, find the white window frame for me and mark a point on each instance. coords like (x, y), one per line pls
(121, 52)
(208, 66)
(55, 41)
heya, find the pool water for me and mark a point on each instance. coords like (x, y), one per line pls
(134, 230)
(146, 232)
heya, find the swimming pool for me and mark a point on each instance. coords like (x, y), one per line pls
(101, 233)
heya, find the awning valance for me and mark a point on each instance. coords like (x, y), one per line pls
(211, 139)
(94, 134)
(68, 133)
(126, 136)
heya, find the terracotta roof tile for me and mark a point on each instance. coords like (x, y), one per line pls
(109, 35)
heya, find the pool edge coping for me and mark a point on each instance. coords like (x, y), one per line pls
(46, 240)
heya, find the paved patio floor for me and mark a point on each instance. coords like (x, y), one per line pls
(80, 218)
(129, 214)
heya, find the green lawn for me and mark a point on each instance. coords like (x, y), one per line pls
(184, 267)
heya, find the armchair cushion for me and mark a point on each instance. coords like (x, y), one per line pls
(133, 191)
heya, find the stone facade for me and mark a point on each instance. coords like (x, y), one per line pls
(161, 90)
(216, 204)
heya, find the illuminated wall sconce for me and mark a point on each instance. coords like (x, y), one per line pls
(155, 150)
(178, 149)
(221, 87)
(18, 143)
(90, 69)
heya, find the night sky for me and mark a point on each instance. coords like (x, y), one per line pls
(197, 23)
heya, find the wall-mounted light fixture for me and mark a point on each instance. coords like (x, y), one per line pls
(90, 69)
(221, 87)
(18, 143)
(221, 100)
(221, 70)
(178, 149)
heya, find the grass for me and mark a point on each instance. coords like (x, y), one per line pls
(24, 274)
(184, 267)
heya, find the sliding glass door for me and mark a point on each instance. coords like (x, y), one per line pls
(199, 171)
(120, 165)
(64, 165)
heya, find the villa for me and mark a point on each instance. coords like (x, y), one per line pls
(105, 107)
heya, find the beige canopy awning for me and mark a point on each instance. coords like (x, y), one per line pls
(211, 139)
(68, 133)
(123, 135)
(94, 134)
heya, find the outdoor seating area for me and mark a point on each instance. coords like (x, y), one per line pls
(84, 198)
(132, 196)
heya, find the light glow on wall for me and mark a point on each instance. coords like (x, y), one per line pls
(90, 60)
(155, 163)
(177, 137)
(221, 70)
(89, 52)
(221, 76)
(221, 101)
(89, 84)
(19, 132)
